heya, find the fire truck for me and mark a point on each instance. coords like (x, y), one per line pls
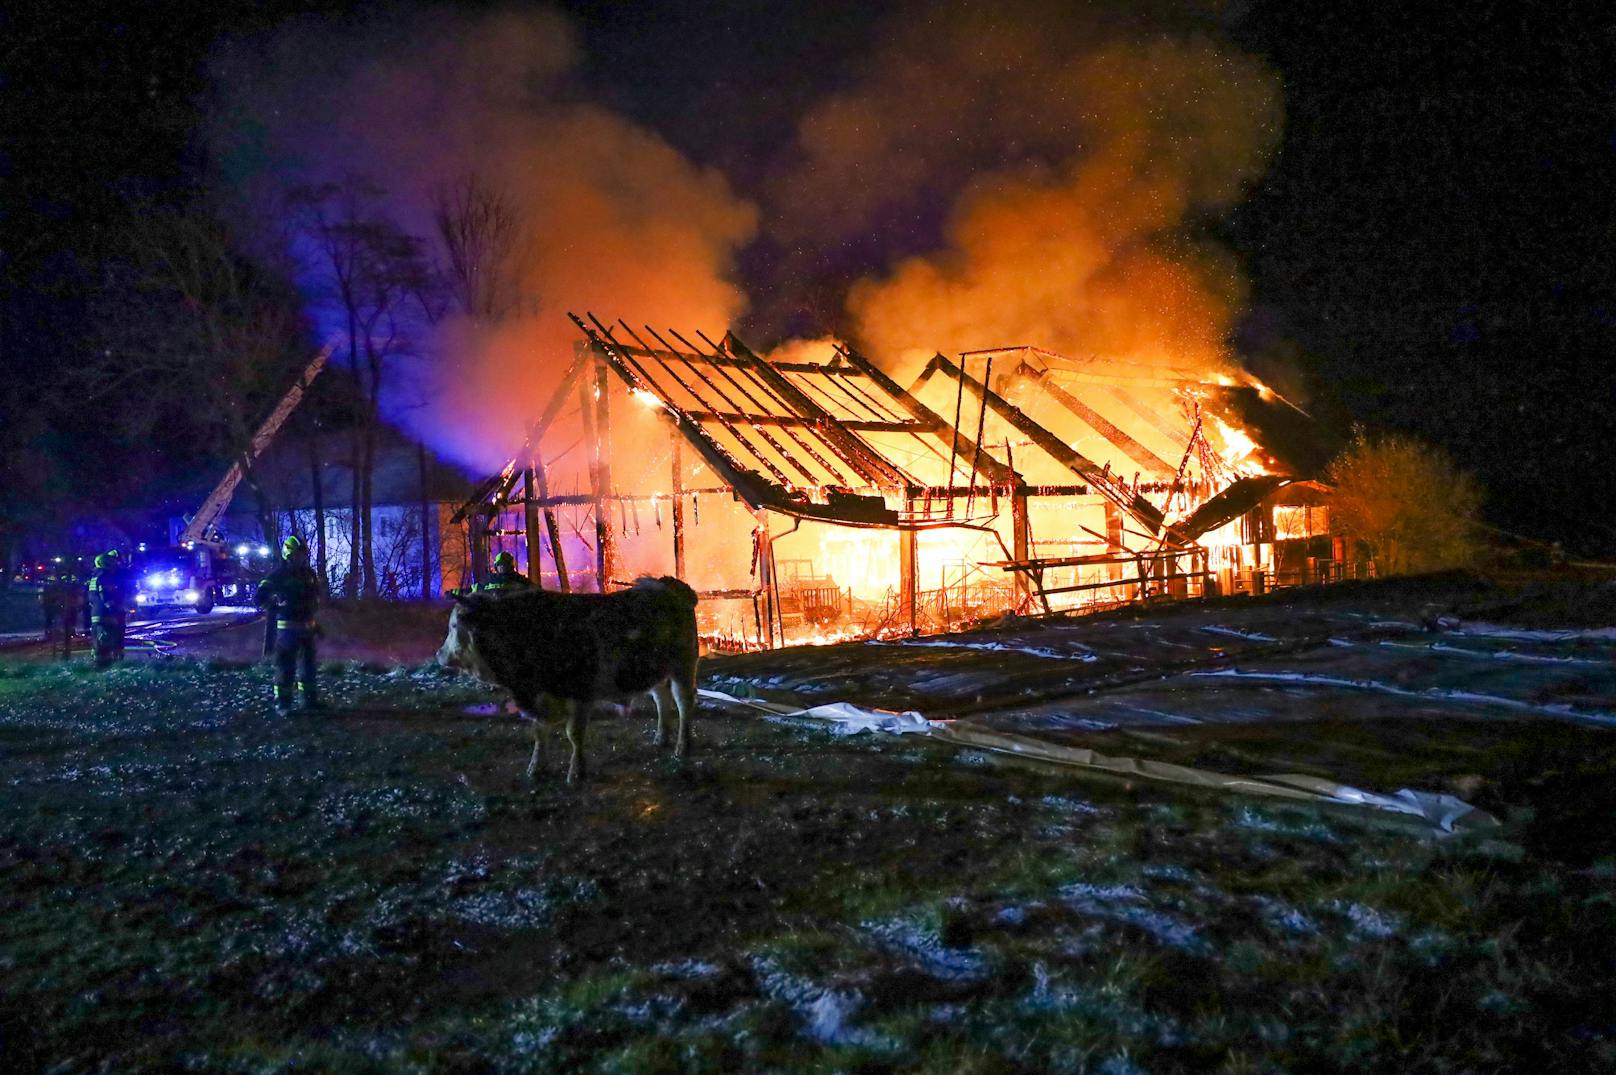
(201, 569)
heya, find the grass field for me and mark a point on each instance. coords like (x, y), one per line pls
(192, 884)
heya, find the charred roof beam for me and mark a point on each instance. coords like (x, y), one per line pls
(1102, 425)
(1146, 513)
(997, 472)
(859, 455)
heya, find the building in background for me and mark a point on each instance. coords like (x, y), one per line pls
(416, 552)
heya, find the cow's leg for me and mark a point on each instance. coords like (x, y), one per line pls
(536, 710)
(662, 695)
(684, 695)
(537, 759)
(577, 724)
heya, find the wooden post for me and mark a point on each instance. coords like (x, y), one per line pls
(530, 526)
(771, 596)
(675, 438)
(908, 578)
(597, 432)
(542, 478)
(1021, 545)
(1113, 538)
(477, 529)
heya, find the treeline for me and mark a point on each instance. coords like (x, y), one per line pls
(136, 376)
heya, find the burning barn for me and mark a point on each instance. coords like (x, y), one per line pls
(812, 499)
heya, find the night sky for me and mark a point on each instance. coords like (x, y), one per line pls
(1430, 250)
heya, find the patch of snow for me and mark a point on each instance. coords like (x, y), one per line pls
(922, 945)
(1367, 921)
(533, 1041)
(1502, 655)
(1432, 946)
(1068, 805)
(1235, 632)
(825, 1012)
(1175, 718)
(1440, 694)
(1524, 634)
(1283, 918)
(1010, 915)
(524, 908)
(1249, 818)
(1084, 654)
(652, 1010)
(1125, 903)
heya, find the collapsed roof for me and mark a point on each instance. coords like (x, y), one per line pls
(841, 441)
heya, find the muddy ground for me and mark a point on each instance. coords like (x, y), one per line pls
(190, 883)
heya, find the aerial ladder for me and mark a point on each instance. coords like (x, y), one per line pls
(198, 571)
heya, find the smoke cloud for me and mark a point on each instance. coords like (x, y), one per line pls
(986, 175)
(1079, 157)
(613, 218)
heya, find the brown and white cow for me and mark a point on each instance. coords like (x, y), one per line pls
(568, 652)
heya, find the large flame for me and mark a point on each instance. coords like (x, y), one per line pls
(1239, 452)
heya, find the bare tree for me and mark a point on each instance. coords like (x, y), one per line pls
(378, 284)
(187, 329)
(483, 232)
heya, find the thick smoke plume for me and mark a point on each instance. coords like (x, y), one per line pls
(985, 175)
(1081, 156)
(611, 216)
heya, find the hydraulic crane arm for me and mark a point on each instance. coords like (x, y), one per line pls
(200, 526)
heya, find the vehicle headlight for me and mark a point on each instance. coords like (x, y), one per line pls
(189, 597)
(140, 599)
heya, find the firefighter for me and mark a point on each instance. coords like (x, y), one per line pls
(106, 598)
(289, 595)
(505, 578)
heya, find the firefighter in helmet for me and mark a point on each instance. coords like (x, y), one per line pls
(504, 578)
(107, 598)
(289, 596)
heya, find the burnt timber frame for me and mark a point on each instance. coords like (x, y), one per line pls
(791, 438)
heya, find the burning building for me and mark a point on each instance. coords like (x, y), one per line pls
(817, 499)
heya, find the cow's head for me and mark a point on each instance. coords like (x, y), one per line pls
(459, 650)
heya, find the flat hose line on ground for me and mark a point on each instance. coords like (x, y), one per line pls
(1444, 813)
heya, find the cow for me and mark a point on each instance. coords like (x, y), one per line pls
(562, 651)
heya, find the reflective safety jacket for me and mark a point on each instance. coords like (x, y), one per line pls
(107, 593)
(503, 582)
(291, 593)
